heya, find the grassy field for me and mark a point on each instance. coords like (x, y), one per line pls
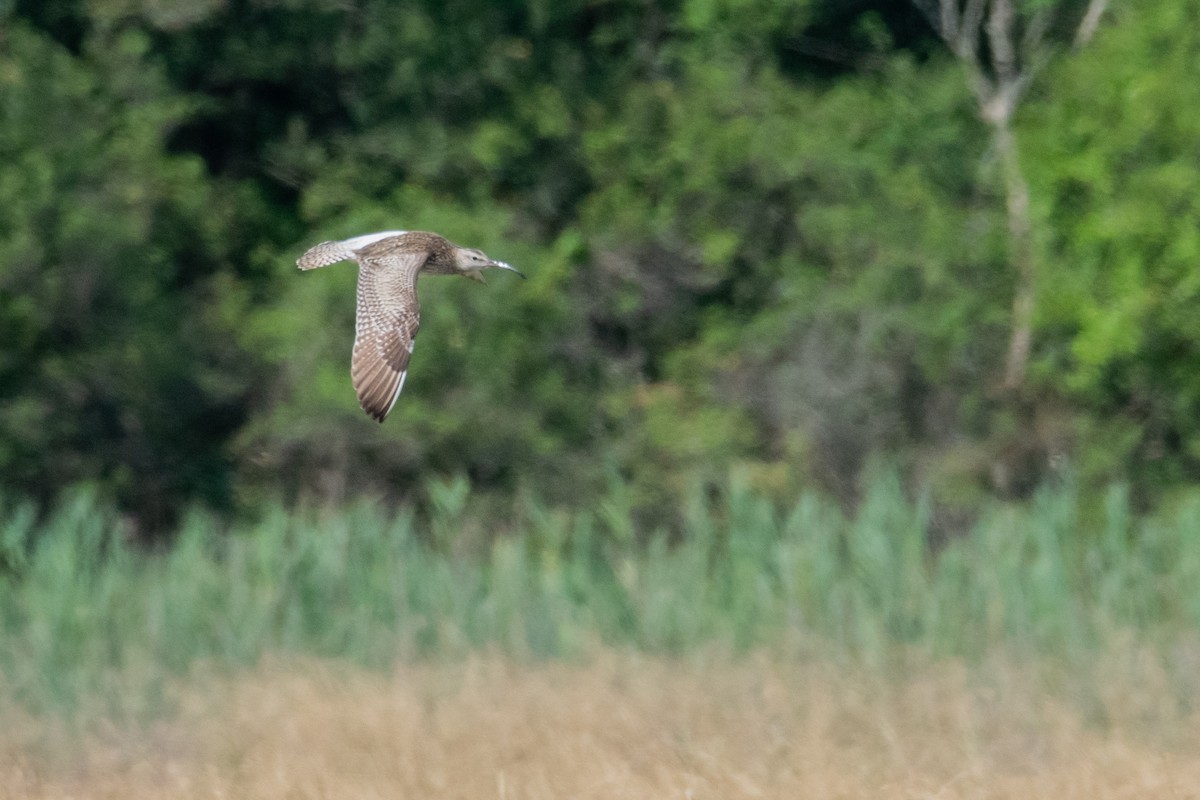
(466, 652)
(621, 726)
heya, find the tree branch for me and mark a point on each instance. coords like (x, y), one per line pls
(968, 32)
(1091, 21)
(1000, 39)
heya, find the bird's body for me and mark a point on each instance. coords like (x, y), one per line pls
(388, 313)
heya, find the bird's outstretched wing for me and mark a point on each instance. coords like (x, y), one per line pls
(387, 322)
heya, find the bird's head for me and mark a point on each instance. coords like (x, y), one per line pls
(471, 264)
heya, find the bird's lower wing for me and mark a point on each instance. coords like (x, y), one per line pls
(388, 319)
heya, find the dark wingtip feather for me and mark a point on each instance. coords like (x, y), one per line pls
(372, 409)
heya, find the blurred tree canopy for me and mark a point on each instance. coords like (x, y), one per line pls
(757, 232)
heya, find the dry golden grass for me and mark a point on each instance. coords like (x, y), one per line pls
(621, 727)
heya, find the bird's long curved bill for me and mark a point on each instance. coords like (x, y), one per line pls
(508, 267)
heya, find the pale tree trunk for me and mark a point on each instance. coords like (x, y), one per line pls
(1011, 73)
(998, 80)
(1021, 257)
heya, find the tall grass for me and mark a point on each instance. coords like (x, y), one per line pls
(82, 613)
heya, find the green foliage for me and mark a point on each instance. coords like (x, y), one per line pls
(758, 233)
(83, 614)
(114, 365)
(1116, 172)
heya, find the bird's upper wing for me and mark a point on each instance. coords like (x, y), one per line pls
(387, 322)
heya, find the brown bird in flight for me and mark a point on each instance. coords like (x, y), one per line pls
(388, 312)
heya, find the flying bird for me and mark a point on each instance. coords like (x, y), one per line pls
(388, 313)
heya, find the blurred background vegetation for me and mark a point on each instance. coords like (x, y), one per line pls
(778, 237)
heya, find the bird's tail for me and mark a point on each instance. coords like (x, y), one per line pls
(324, 254)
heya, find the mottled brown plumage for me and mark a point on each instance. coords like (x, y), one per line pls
(388, 311)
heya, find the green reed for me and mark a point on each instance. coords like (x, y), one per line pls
(85, 613)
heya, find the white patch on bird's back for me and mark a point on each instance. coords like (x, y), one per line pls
(359, 242)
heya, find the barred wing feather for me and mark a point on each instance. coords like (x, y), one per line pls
(386, 325)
